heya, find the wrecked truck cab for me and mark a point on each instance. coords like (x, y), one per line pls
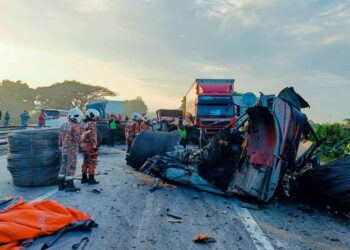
(249, 160)
(274, 132)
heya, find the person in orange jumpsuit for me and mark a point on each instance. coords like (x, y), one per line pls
(131, 129)
(69, 139)
(89, 146)
(145, 124)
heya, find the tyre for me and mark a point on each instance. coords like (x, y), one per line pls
(149, 144)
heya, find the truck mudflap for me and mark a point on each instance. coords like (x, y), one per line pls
(269, 149)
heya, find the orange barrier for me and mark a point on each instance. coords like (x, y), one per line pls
(22, 220)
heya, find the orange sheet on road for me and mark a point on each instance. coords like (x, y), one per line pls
(24, 220)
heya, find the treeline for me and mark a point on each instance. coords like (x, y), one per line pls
(18, 96)
(337, 142)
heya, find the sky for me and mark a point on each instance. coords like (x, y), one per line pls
(157, 48)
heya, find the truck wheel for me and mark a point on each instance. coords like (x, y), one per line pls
(149, 144)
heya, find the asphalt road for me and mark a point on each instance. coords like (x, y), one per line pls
(132, 217)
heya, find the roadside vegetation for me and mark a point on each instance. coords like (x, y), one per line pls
(16, 96)
(338, 140)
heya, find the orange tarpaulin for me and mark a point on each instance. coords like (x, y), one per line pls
(21, 220)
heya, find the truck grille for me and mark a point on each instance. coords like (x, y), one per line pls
(215, 123)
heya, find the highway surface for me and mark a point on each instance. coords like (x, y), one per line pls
(132, 217)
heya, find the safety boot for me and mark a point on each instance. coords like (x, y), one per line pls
(84, 179)
(61, 185)
(70, 187)
(92, 180)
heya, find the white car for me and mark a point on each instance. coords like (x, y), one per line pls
(55, 117)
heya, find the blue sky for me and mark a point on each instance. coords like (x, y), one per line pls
(156, 49)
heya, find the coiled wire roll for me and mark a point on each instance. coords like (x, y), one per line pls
(34, 158)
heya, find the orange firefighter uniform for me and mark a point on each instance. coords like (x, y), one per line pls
(144, 127)
(69, 139)
(131, 129)
(89, 146)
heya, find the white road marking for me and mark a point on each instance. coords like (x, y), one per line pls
(46, 195)
(256, 234)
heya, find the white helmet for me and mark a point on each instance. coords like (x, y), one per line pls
(75, 115)
(93, 114)
(135, 116)
(145, 118)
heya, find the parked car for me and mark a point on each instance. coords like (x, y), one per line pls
(55, 117)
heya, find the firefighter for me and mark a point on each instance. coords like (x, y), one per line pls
(131, 129)
(182, 129)
(69, 139)
(145, 125)
(89, 146)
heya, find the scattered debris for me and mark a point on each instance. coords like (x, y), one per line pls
(96, 191)
(138, 185)
(82, 244)
(175, 220)
(174, 216)
(203, 238)
(149, 180)
(155, 188)
(250, 206)
(306, 209)
(332, 239)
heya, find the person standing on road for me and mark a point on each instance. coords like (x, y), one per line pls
(181, 129)
(112, 130)
(6, 119)
(120, 118)
(24, 118)
(0, 115)
(41, 119)
(69, 139)
(145, 126)
(89, 146)
(131, 129)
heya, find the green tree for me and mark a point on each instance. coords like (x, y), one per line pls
(237, 93)
(16, 97)
(347, 121)
(338, 137)
(70, 94)
(135, 105)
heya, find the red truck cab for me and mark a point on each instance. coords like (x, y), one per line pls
(209, 104)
